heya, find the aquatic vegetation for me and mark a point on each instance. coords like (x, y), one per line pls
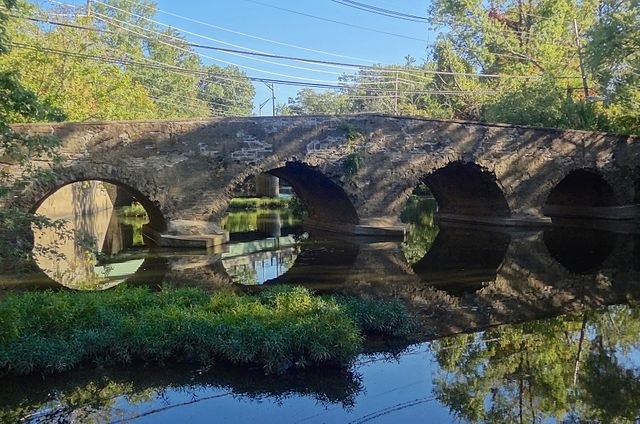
(279, 329)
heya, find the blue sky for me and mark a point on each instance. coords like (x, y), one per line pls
(323, 40)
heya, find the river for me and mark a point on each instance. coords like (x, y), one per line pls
(535, 325)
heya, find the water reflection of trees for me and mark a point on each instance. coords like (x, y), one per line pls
(101, 395)
(421, 230)
(572, 369)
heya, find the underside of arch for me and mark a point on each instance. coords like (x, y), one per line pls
(156, 218)
(323, 199)
(467, 189)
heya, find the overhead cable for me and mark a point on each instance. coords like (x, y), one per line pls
(381, 11)
(210, 25)
(203, 73)
(376, 69)
(336, 22)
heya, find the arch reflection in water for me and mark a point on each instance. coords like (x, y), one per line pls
(80, 254)
(271, 247)
(463, 259)
(455, 259)
(580, 250)
(264, 245)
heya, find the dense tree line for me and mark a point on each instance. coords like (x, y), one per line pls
(117, 63)
(512, 61)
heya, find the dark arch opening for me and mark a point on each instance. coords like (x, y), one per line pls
(636, 188)
(580, 188)
(323, 199)
(467, 189)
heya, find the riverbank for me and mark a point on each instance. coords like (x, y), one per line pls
(278, 329)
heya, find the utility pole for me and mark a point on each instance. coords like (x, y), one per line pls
(585, 86)
(396, 103)
(271, 87)
(88, 8)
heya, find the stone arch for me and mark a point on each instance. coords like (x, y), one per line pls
(465, 188)
(580, 188)
(324, 200)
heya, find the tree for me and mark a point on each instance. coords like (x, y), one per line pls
(613, 55)
(119, 64)
(16, 102)
(226, 91)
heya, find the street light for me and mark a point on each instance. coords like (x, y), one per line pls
(262, 105)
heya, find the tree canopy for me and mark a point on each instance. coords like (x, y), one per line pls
(117, 63)
(513, 62)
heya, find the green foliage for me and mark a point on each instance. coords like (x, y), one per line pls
(279, 329)
(134, 210)
(233, 97)
(351, 132)
(150, 72)
(613, 55)
(309, 102)
(374, 316)
(352, 163)
(18, 103)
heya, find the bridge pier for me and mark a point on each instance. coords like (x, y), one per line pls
(372, 227)
(187, 233)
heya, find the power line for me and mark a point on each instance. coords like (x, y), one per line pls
(336, 22)
(120, 61)
(207, 24)
(376, 69)
(381, 11)
(110, 20)
(103, 17)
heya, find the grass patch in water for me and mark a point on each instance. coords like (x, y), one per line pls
(278, 329)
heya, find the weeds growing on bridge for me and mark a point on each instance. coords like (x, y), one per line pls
(278, 329)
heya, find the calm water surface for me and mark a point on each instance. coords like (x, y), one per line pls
(523, 326)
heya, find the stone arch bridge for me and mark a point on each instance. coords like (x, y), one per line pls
(353, 173)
